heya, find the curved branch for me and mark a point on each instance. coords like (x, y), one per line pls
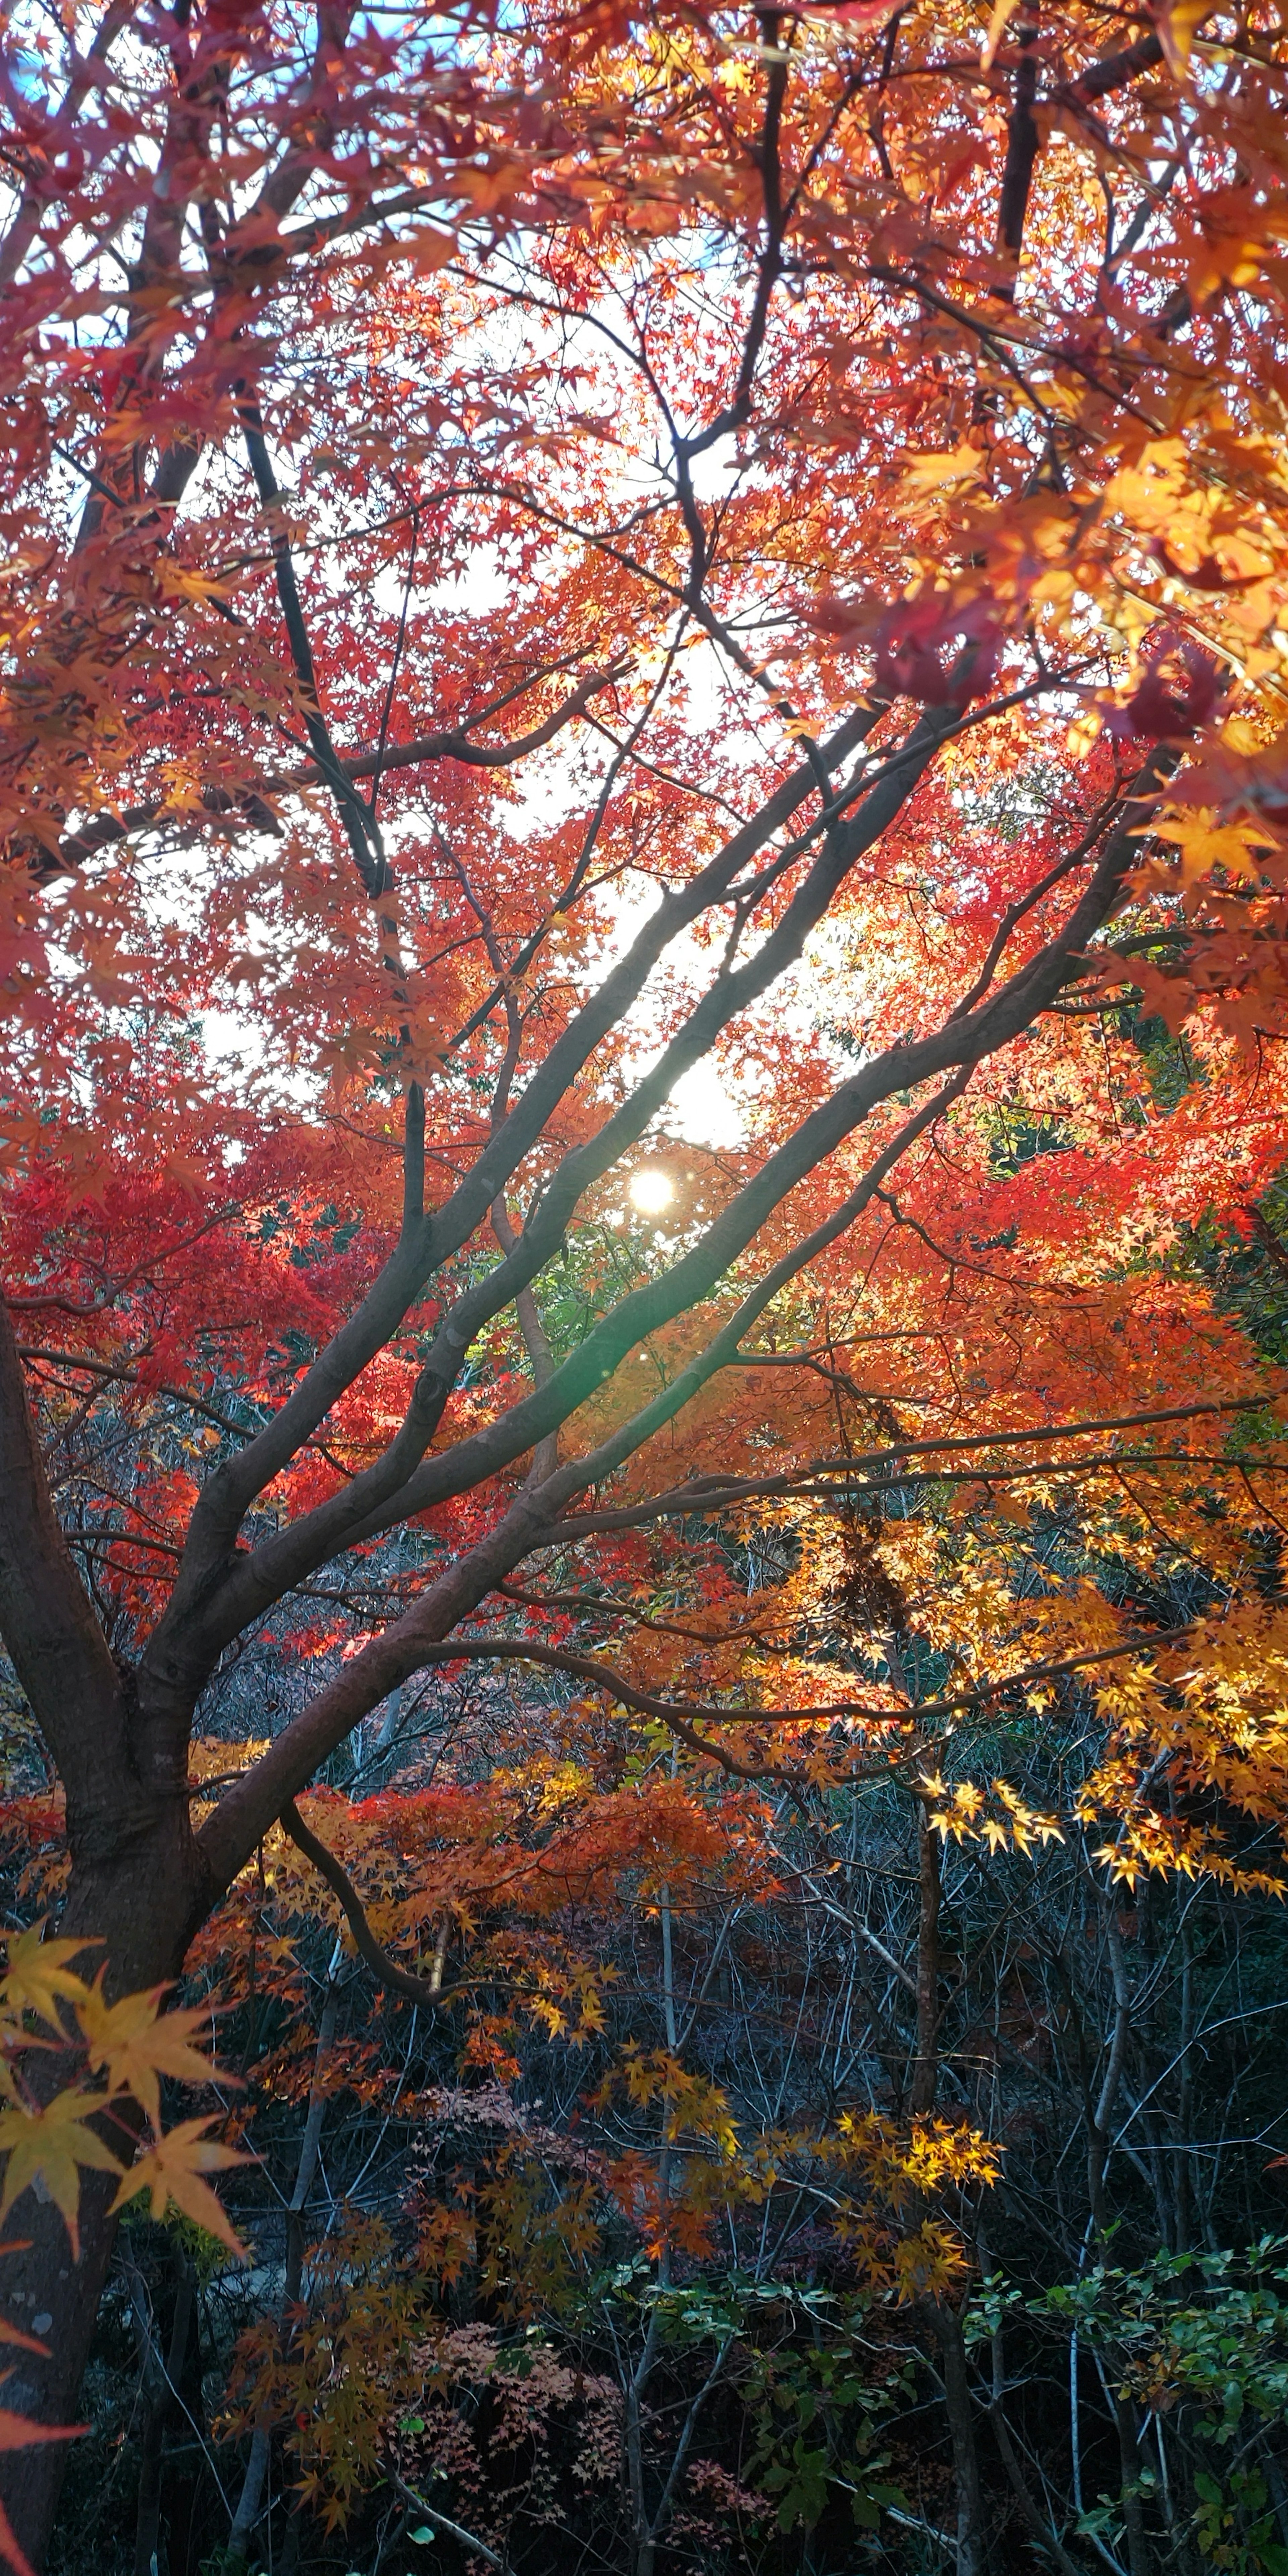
(701, 1495)
(400, 1981)
(110, 1374)
(1111, 72)
(103, 831)
(467, 2540)
(459, 745)
(241, 1818)
(588, 1668)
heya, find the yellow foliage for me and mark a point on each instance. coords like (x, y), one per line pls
(171, 2173)
(132, 2044)
(37, 1978)
(136, 2045)
(50, 2143)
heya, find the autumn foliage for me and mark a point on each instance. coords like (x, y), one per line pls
(644, 928)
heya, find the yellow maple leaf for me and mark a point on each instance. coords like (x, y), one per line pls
(37, 1976)
(1003, 12)
(172, 2170)
(52, 2142)
(138, 2044)
(1177, 29)
(1205, 844)
(932, 473)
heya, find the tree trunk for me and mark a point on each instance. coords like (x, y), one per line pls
(142, 1911)
(1139, 2553)
(136, 1885)
(925, 2072)
(161, 2363)
(972, 2550)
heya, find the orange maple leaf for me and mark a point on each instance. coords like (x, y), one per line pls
(172, 2170)
(137, 2044)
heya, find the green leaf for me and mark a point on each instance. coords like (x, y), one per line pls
(422, 2537)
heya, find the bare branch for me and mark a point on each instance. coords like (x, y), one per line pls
(423, 1991)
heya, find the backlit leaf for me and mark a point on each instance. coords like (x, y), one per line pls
(171, 2173)
(52, 2143)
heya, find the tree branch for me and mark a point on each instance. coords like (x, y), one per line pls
(423, 1991)
(961, 1044)
(705, 1494)
(229, 1492)
(57, 1647)
(1021, 148)
(467, 2540)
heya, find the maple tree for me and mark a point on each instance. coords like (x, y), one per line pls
(546, 551)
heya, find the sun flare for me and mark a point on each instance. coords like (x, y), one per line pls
(650, 1191)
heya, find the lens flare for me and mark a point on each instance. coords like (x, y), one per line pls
(650, 1191)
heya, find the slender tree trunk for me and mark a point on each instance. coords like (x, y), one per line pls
(925, 2072)
(1185, 2103)
(160, 2378)
(642, 2539)
(972, 2554)
(1139, 2556)
(972, 2550)
(1041, 2528)
(261, 2441)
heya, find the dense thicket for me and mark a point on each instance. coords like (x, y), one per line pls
(642, 779)
(475, 2252)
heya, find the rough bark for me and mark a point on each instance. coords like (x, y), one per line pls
(134, 1875)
